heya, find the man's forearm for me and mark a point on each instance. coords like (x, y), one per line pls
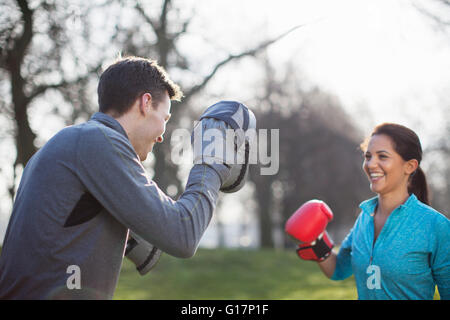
(195, 208)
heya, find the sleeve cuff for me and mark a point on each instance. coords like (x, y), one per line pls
(222, 171)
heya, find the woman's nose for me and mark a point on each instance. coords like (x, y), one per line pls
(371, 163)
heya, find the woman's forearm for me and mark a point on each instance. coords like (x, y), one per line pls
(328, 265)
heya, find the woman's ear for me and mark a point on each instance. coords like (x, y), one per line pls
(411, 166)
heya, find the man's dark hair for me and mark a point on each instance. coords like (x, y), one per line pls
(130, 77)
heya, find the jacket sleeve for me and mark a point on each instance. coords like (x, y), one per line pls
(111, 171)
(343, 268)
(440, 257)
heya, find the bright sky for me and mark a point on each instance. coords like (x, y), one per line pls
(383, 54)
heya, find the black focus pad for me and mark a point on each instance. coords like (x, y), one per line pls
(85, 209)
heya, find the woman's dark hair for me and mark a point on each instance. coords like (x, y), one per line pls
(128, 78)
(407, 145)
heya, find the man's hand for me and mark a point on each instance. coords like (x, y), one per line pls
(143, 254)
(225, 135)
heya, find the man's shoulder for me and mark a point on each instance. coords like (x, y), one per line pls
(96, 138)
(100, 128)
(95, 132)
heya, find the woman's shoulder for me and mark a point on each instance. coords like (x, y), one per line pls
(428, 215)
(428, 211)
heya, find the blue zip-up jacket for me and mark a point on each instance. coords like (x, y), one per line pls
(78, 196)
(409, 258)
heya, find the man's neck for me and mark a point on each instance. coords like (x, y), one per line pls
(128, 122)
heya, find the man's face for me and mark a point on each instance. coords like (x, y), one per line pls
(156, 117)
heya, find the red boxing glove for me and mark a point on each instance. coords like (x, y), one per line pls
(318, 250)
(307, 225)
(309, 221)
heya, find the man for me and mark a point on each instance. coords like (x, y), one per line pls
(85, 189)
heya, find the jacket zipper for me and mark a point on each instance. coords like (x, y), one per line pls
(373, 238)
(382, 231)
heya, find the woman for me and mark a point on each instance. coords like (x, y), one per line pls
(399, 247)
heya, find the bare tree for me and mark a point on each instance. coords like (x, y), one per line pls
(319, 155)
(163, 30)
(33, 41)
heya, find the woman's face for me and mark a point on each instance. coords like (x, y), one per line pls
(385, 168)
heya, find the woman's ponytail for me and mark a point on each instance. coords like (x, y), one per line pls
(418, 185)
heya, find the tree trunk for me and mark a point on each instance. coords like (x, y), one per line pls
(265, 203)
(24, 134)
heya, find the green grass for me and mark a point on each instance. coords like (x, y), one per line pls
(231, 274)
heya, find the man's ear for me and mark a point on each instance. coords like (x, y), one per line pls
(411, 166)
(145, 103)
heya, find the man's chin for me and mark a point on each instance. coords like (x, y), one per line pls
(144, 156)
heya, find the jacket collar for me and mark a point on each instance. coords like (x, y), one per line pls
(109, 121)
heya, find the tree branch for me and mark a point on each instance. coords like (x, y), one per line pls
(233, 57)
(183, 29)
(163, 17)
(44, 87)
(21, 44)
(440, 22)
(147, 19)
